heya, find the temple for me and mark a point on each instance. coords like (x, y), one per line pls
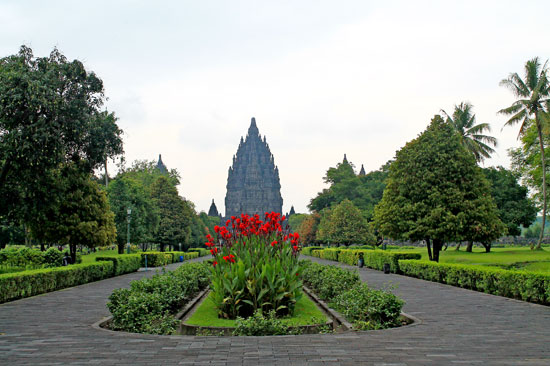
(161, 167)
(253, 185)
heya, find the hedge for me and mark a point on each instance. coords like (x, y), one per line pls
(526, 286)
(156, 259)
(202, 251)
(34, 282)
(309, 250)
(374, 259)
(191, 255)
(126, 263)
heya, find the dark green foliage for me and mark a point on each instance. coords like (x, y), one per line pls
(49, 115)
(21, 257)
(436, 192)
(175, 214)
(29, 283)
(123, 263)
(368, 308)
(514, 206)
(533, 287)
(261, 325)
(328, 281)
(365, 191)
(149, 304)
(53, 257)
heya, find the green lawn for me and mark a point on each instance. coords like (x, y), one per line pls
(90, 258)
(512, 258)
(306, 313)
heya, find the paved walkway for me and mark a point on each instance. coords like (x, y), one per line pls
(459, 327)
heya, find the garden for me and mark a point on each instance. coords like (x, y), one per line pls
(253, 285)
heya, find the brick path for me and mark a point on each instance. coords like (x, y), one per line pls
(459, 327)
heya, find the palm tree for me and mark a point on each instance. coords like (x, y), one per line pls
(533, 95)
(464, 122)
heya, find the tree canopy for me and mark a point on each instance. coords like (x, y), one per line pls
(436, 192)
(344, 224)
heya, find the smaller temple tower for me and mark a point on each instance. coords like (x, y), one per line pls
(213, 211)
(161, 167)
(362, 172)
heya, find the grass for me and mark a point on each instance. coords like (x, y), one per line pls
(306, 313)
(90, 258)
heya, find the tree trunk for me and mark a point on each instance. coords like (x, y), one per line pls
(428, 245)
(539, 130)
(458, 246)
(162, 247)
(470, 246)
(106, 175)
(487, 247)
(120, 248)
(437, 248)
(72, 248)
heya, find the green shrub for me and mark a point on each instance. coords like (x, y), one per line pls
(260, 325)
(53, 257)
(190, 255)
(21, 257)
(156, 259)
(202, 251)
(176, 256)
(122, 264)
(29, 283)
(329, 254)
(368, 308)
(328, 281)
(375, 259)
(149, 304)
(309, 250)
(527, 286)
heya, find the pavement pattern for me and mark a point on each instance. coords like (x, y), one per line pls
(458, 327)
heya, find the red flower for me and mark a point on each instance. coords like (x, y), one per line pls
(214, 263)
(295, 247)
(273, 243)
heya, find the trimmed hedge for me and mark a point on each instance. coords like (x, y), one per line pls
(526, 286)
(309, 250)
(126, 263)
(34, 282)
(374, 259)
(156, 259)
(202, 251)
(191, 255)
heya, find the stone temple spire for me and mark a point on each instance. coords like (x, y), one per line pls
(161, 167)
(362, 171)
(253, 185)
(345, 161)
(213, 211)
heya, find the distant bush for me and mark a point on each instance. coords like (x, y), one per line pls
(156, 259)
(202, 251)
(21, 257)
(527, 286)
(309, 250)
(328, 281)
(53, 257)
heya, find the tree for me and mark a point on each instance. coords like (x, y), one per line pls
(48, 114)
(436, 192)
(513, 204)
(365, 191)
(295, 221)
(125, 192)
(79, 212)
(308, 228)
(175, 214)
(464, 122)
(345, 225)
(533, 95)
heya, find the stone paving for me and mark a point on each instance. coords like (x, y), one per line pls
(458, 327)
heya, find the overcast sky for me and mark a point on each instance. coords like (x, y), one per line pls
(322, 78)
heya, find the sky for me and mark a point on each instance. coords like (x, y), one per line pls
(322, 78)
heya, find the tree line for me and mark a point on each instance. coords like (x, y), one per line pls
(54, 134)
(434, 191)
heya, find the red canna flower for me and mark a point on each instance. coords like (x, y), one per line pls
(273, 243)
(214, 263)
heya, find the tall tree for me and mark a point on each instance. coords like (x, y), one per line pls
(471, 134)
(125, 193)
(176, 215)
(436, 192)
(48, 111)
(533, 101)
(308, 228)
(78, 212)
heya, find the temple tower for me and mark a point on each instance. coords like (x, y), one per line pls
(253, 185)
